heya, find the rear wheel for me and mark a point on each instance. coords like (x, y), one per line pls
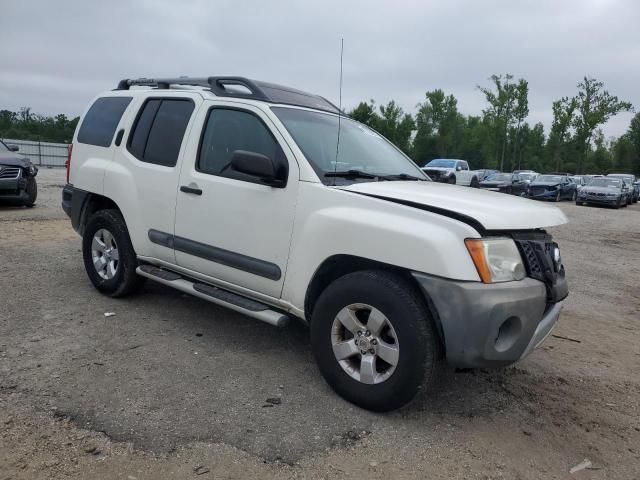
(109, 258)
(373, 339)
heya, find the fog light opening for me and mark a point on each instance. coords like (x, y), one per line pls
(508, 334)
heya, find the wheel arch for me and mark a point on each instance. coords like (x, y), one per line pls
(340, 265)
(93, 203)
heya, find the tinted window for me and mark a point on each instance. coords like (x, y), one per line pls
(101, 121)
(229, 130)
(159, 130)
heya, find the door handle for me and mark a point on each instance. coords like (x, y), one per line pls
(192, 190)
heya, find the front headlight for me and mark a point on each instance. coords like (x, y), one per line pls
(496, 259)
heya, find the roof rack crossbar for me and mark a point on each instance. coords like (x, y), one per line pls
(216, 84)
(224, 87)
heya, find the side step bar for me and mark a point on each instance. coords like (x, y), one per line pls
(216, 295)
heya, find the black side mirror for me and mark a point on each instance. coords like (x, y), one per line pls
(256, 165)
(13, 147)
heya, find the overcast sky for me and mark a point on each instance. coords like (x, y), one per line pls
(56, 55)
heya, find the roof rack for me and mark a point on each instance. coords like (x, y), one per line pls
(256, 90)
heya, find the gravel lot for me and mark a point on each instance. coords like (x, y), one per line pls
(175, 387)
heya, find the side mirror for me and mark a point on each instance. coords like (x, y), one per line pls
(256, 165)
(13, 147)
(458, 168)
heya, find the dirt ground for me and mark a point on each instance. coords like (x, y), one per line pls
(175, 387)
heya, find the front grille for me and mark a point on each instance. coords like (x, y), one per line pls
(9, 173)
(434, 174)
(537, 250)
(536, 190)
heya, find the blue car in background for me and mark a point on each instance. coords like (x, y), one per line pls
(553, 187)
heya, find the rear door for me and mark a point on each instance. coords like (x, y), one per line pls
(228, 227)
(143, 178)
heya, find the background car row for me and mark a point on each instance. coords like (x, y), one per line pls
(615, 189)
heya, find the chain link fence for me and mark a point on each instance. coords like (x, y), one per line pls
(44, 154)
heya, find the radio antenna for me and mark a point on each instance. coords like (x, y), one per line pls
(335, 165)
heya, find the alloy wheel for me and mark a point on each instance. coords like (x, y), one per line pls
(365, 343)
(104, 253)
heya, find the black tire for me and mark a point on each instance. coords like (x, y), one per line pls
(32, 192)
(451, 179)
(125, 281)
(474, 183)
(618, 204)
(405, 308)
(578, 203)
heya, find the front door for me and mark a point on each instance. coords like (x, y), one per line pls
(229, 226)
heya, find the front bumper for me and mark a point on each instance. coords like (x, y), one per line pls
(599, 200)
(13, 188)
(491, 325)
(546, 195)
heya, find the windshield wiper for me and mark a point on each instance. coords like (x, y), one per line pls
(353, 173)
(403, 176)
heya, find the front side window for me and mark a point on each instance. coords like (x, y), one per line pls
(226, 131)
(101, 120)
(360, 149)
(159, 129)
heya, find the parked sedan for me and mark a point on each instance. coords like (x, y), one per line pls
(631, 183)
(553, 187)
(510, 183)
(604, 191)
(17, 177)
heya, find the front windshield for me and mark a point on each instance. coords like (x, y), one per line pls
(549, 178)
(360, 149)
(606, 182)
(628, 178)
(499, 177)
(527, 176)
(3, 147)
(442, 163)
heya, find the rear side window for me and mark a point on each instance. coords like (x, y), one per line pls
(159, 129)
(101, 121)
(229, 130)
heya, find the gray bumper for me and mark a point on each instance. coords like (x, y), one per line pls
(490, 325)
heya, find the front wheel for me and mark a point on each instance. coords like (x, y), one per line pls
(109, 258)
(475, 183)
(32, 192)
(373, 339)
(451, 180)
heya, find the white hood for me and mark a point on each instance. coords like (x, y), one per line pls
(494, 211)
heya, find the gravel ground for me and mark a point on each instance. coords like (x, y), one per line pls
(174, 387)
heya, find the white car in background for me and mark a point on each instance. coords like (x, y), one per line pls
(455, 172)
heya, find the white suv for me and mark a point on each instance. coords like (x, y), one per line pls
(269, 201)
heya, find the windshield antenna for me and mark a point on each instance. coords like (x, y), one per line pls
(335, 164)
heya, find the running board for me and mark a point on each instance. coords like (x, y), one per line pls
(216, 295)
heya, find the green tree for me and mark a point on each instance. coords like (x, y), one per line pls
(634, 138)
(439, 127)
(594, 107)
(395, 125)
(365, 113)
(560, 134)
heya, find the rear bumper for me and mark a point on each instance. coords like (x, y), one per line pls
(491, 325)
(73, 201)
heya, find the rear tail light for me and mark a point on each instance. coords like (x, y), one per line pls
(68, 162)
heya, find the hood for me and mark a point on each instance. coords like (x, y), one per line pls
(544, 184)
(493, 211)
(491, 183)
(12, 159)
(439, 169)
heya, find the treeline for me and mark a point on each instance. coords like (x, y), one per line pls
(502, 139)
(25, 125)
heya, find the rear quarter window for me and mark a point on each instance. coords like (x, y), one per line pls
(101, 120)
